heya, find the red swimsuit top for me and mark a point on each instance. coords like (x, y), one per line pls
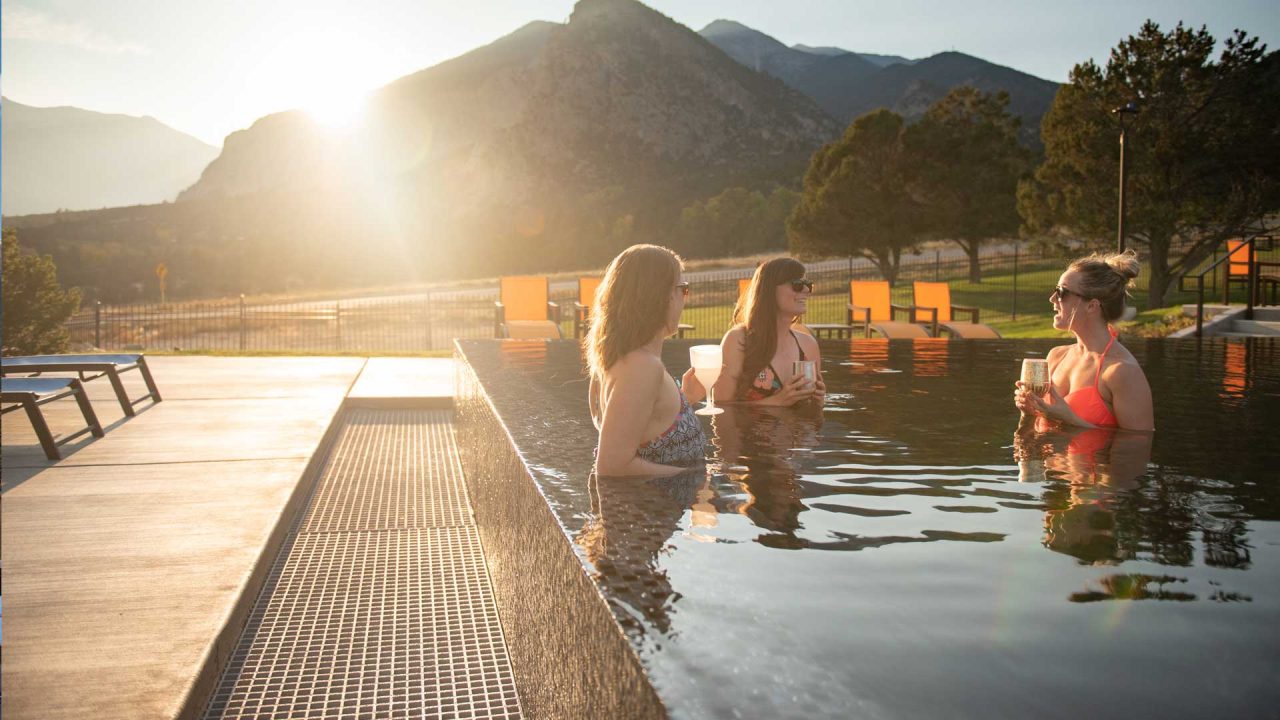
(1087, 402)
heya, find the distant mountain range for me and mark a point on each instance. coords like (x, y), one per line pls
(68, 158)
(554, 146)
(847, 84)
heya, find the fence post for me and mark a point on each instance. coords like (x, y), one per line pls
(430, 340)
(337, 321)
(241, 322)
(1015, 281)
(97, 324)
(937, 265)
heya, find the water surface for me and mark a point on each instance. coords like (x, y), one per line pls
(908, 551)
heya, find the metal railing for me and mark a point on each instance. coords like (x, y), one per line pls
(1229, 257)
(428, 321)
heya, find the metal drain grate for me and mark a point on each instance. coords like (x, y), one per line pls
(390, 469)
(382, 623)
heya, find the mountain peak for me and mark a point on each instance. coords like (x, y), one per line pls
(725, 27)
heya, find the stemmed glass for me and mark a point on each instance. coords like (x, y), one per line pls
(706, 361)
(1035, 375)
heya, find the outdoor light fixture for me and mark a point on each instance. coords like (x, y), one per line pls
(1121, 112)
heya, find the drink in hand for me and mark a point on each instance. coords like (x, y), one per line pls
(706, 361)
(1035, 375)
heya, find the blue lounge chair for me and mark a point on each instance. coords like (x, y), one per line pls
(31, 393)
(109, 365)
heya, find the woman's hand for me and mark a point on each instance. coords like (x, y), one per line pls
(820, 391)
(792, 392)
(1024, 400)
(692, 388)
(1057, 410)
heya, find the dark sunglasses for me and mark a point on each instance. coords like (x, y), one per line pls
(683, 287)
(1062, 293)
(802, 285)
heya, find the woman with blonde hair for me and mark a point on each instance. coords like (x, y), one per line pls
(759, 349)
(1095, 382)
(632, 397)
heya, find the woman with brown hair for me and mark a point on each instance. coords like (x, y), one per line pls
(632, 397)
(1095, 382)
(759, 349)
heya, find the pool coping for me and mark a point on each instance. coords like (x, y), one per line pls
(570, 656)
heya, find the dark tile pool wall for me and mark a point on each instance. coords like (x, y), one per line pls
(570, 657)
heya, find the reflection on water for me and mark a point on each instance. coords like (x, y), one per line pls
(1062, 561)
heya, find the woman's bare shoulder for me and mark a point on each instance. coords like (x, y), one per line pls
(809, 344)
(1057, 352)
(1124, 369)
(637, 365)
(735, 334)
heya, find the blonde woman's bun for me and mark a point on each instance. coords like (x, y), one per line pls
(1125, 264)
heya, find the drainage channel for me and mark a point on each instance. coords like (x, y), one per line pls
(379, 604)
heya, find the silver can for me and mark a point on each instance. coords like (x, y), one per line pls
(807, 369)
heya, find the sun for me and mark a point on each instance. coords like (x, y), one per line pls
(331, 87)
(336, 109)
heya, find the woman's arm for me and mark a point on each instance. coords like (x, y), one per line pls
(814, 353)
(1130, 397)
(731, 354)
(630, 393)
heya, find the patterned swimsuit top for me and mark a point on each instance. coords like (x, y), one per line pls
(766, 383)
(682, 444)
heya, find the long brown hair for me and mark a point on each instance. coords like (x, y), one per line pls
(631, 304)
(758, 316)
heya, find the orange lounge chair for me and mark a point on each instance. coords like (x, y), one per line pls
(585, 304)
(931, 305)
(869, 305)
(1237, 268)
(524, 310)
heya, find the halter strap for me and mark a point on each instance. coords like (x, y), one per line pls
(1097, 375)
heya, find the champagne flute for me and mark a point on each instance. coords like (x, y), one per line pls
(706, 361)
(1035, 375)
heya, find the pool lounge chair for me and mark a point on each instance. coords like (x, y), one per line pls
(30, 393)
(524, 309)
(110, 365)
(870, 306)
(931, 305)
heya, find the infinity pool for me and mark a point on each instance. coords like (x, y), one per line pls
(906, 552)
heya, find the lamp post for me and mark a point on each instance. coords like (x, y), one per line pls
(1121, 112)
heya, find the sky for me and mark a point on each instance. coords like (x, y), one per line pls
(211, 67)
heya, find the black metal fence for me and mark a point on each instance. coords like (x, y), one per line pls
(1016, 281)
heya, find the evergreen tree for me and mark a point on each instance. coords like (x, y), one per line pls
(855, 199)
(1200, 155)
(35, 305)
(965, 166)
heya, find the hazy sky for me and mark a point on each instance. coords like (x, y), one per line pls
(210, 67)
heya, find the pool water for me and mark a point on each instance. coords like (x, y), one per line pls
(910, 551)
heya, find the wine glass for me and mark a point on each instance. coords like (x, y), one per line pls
(706, 361)
(1035, 375)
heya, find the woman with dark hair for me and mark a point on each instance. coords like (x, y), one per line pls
(632, 397)
(759, 349)
(1095, 382)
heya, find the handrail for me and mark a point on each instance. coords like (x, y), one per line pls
(1249, 291)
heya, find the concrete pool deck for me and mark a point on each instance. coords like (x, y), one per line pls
(127, 562)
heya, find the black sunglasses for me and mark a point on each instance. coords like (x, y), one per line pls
(683, 287)
(802, 285)
(1063, 292)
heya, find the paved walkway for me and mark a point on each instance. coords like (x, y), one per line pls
(125, 561)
